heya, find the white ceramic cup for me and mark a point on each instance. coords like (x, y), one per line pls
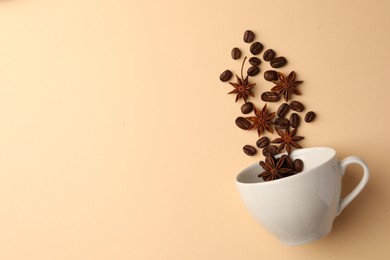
(300, 208)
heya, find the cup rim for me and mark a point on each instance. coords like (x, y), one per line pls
(290, 178)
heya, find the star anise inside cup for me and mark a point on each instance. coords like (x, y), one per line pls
(274, 168)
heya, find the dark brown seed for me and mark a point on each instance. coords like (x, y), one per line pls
(249, 36)
(225, 76)
(271, 75)
(243, 123)
(262, 142)
(253, 71)
(283, 110)
(310, 116)
(297, 106)
(270, 96)
(254, 61)
(288, 163)
(295, 120)
(249, 150)
(278, 62)
(256, 48)
(270, 150)
(298, 165)
(282, 123)
(247, 107)
(269, 55)
(236, 53)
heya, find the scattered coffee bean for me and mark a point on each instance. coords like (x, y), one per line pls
(253, 71)
(226, 76)
(236, 53)
(249, 36)
(295, 120)
(283, 110)
(269, 55)
(262, 142)
(310, 116)
(278, 62)
(270, 96)
(270, 150)
(298, 165)
(247, 107)
(256, 48)
(271, 75)
(254, 61)
(249, 150)
(282, 123)
(297, 106)
(243, 123)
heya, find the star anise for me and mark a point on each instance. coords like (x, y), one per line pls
(286, 86)
(262, 120)
(242, 88)
(287, 139)
(273, 168)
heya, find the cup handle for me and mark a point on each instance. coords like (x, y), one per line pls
(366, 174)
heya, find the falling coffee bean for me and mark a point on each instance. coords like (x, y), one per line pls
(254, 61)
(243, 123)
(278, 62)
(310, 116)
(269, 55)
(247, 107)
(283, 110)
(270, 150)
(256, 48)
(271, 75)
(262, 142)
(270, 96)
(225, 76)
(298, 165)
(249, 36)
(236, 53)
(249, 150)
(295, 120)
(253, 71)
(297, 106)
(282, 123)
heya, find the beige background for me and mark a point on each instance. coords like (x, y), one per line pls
(117, 139)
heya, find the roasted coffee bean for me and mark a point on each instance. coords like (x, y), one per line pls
(295, 120)
(270, 150)
(254, 61)
(271, 75)
(249, 150)
(282, 123)
(297, 106)
(253, 71)
(310, 116)
(283, 110)
(247, 107)
(269, 55)
(270, 96)
(278, 62)
(262, 142)
(225, 76)
(288, 163)
(249, 36)
(256, 48)
(236, 53)
(298, 165)
(243, 123)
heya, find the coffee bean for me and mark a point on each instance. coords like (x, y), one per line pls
(254, 61)
(269, 55)
(247, 107)
(282, 123)
(283, 110)
(270, 96)
(262, 142)
(288, 163)
(256, 48)
(271, 75)
(249, 36)
(243, 123)
(297, 106)
(225, 76)
(236, 53)
(295, 120)
(249, 150)
(278, 62)
(270, 150)
(298, 165)
(310, 116)
(253, 71)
